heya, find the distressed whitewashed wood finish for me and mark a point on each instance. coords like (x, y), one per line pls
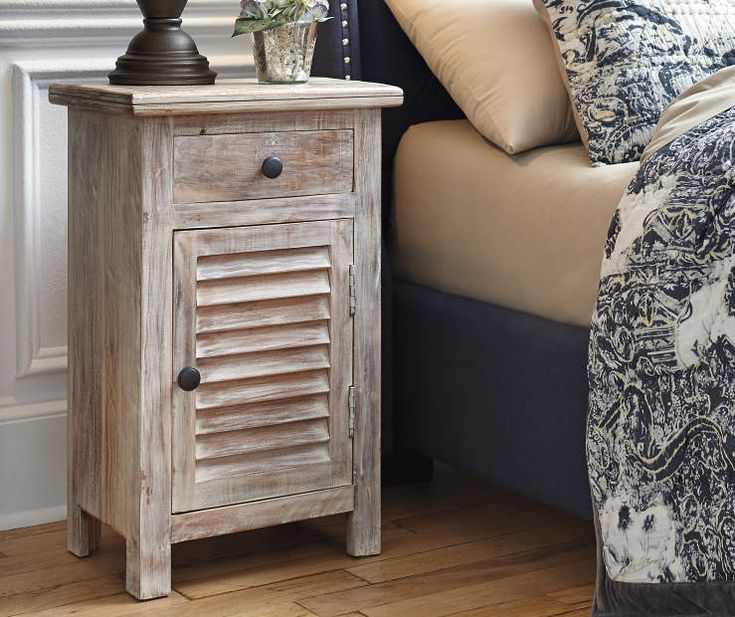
(228, 167)
(363, 532)
(119, 307)
(255, 211)
(264, 211)
(253, 291)
(243, 517)
(275, 415)
(228, 96)
(148, 562)
(263, 122)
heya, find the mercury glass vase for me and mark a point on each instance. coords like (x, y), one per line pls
(284, 54)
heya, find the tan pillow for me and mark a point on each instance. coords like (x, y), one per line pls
(701, 102)
(496, 60)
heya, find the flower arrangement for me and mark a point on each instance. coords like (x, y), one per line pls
(260, 15)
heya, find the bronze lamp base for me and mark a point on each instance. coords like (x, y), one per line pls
(162, 54)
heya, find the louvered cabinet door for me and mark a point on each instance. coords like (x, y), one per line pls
(263, 313)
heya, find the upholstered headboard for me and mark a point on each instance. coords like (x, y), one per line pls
(338, 43)
(364, 41)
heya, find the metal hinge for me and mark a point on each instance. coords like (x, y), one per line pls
(351, 405)
(353, 299)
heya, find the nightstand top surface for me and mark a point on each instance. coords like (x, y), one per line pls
(226, 96)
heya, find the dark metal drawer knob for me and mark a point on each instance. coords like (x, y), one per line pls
(272, 167)
(189, 378)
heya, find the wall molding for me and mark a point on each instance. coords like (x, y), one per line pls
(13, 413)
(26, 518)
(29, 78)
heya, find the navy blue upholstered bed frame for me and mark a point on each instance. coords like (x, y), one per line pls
(499, 393)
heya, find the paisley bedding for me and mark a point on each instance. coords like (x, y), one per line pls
(661, 424)
(625, 60)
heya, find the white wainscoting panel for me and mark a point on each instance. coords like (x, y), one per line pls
(43, 41)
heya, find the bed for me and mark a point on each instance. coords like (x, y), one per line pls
(484, 356)
(512, 263)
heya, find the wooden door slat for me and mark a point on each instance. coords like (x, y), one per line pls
(266, 338)
(263, 363)
(220, 420)
(297, 457)
(266, 287)
(214, 267)
(261, 439)
(262, 389)
(282, 311)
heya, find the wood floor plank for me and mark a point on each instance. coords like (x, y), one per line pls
(521, 540)
(298, 561)
(527, 607)
(485, 594)
(227, 605)
(233, 574)
(455, 546)
(402, 590)
(32, 579)
(447, 491)
(26, 571)
(15, 542)
(268, 599)
(118, 605)
(575, 595)
(61, 594)
(27, 532)
(482, 519)
(191, 559)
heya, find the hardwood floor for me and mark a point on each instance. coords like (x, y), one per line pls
(455, 546)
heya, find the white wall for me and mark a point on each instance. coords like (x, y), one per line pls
(43, 41)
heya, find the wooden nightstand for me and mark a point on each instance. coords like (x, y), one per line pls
(228, 235)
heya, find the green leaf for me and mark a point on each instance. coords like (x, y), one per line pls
(244, 25)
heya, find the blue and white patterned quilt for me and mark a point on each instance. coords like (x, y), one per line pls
(625, 60)
(661, 425)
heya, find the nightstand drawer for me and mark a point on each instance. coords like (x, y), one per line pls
(235, 167)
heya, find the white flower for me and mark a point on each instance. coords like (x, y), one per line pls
(315, 10)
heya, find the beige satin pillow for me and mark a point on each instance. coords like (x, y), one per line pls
(496, 60)
(701, 102)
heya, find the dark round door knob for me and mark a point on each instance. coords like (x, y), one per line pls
(189, 378)
(272, 167)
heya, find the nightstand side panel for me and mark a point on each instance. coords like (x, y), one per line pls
(104, 315)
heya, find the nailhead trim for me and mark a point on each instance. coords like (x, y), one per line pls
(344, 8)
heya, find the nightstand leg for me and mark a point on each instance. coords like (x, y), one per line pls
(148, 568)
(83, 532)
(363, 524)
(363, 529)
